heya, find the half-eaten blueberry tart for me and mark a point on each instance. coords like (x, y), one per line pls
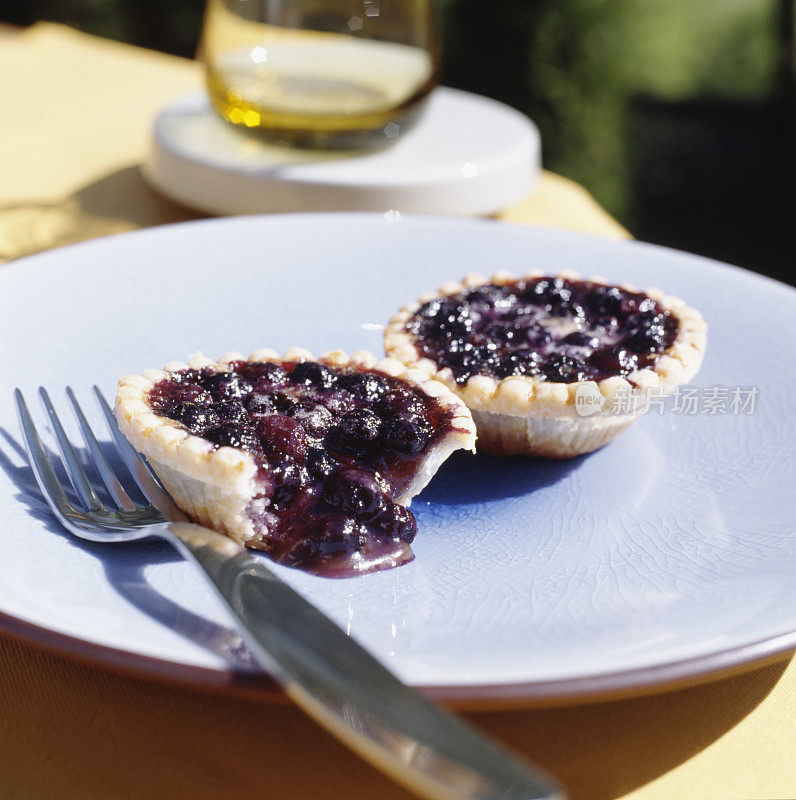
(552, 366)
(313, 461)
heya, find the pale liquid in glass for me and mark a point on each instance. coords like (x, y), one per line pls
(321, 89)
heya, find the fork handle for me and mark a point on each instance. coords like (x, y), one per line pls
(338, 683)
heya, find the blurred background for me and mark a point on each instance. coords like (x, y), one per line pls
(680, 117)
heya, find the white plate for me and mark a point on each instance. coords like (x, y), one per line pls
(666, 555)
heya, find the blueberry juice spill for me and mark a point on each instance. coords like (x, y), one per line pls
(553, 329)
(333, 447)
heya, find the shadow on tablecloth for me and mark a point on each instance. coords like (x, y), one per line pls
(118, 202)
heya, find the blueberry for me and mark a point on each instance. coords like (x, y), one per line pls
(356, 432)
(338, 402)
(567, 308)
(501, 332)
(407, 435)
(195, 417)
(264, 374)
(231, 412)
(604, 363)
(605, 301)
(488, 294)
(564, 369)
(226, 385)
(458, 324)
(646, 340)
(648, 333)
(527, 362)
(483, 342)
(337, 534)
(334, 536)
(630, 304)
(318, 463)
(464, 364)
(459, 345)
(188, 376)
(608, 324)
(452, 319)
(551, 292)
(364, 385)
(401, 400)
(537, 335)
(430, 310)
(613, 361)
(283, 401)
(311, 373)
(647, 305)
(489, 360)
(232, 436)
(269, 402)
(581, 339)
(467, 359)
(289, 479)
(304, 554)
(191, 393)
(396, 522)
(282, 437)
(355, 492)
(315, 419)
(645, 319)
(627, 360)
(260, 403)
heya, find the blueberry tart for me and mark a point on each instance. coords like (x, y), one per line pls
(552, 366)
(312, 461)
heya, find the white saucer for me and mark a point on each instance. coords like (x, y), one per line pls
(467, 155)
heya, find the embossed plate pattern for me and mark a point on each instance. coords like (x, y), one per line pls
(667, 554)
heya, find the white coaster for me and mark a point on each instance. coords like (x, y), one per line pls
(466, 155)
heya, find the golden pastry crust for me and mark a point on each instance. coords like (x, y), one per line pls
(524, 415)
(215, 485)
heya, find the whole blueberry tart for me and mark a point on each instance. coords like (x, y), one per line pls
(311, 460)
(554, 365)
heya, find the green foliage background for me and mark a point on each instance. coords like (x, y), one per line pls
(678, 115)
(574, 66)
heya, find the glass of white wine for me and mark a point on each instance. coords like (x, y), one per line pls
(324, 74)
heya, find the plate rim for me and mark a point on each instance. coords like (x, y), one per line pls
(638, 682)
(395, 218)
(635, 681)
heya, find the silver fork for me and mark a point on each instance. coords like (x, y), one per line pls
(432, 752)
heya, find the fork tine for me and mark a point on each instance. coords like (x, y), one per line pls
(41, 465)
(138, 468)
(104, 469)
(74, 469)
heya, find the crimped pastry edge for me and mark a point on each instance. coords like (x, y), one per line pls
(215, 485)
(522, 397)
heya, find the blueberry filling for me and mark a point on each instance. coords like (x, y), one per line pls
(553, 329)
(333, 447)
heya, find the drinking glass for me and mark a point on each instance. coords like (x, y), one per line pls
(325, 74)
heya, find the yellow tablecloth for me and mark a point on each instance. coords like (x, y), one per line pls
(76, 115)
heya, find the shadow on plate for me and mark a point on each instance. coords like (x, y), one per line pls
(125, 565)
(465, 478)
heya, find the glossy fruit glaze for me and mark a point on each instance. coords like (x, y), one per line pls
(553, 329)
(333, 447)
